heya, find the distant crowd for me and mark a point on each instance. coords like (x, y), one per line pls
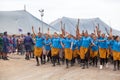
(83, 49)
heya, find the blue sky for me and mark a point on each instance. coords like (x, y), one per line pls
(107, 10)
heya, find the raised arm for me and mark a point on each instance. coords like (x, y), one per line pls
(110, 35)
(95, 31)
(77, 28)
(33, 31)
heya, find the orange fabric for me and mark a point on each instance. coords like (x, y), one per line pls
(38, 51)
(75, 53)
(68, 53)
(54, 51)
(116, 55)
(83, 51)
(102, 52)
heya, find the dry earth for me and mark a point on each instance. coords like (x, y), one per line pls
(19, 69)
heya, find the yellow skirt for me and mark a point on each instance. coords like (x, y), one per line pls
(116, 55)
(102, 52)
(68, 53)
(54, 51)
(94, 54)
(38, 52)
(83, 51)
(75, 53)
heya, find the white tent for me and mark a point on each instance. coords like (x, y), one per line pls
(15, 22)
(84, 24)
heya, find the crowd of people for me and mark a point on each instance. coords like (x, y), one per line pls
(84, 49)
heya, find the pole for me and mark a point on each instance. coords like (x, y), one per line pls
(42, 14)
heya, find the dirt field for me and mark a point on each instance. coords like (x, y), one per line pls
(19, 69)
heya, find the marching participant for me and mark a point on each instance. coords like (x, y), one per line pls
(61, 50)
(55, 48)
(103, 47)
(86, 41)
(79, 45)
(47, 43)
(94, 50)
(115, 47)
(75, 50)
(115, 43)
(38, 46)
(67, 44)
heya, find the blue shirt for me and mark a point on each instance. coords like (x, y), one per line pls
(5, 41)
(115, 45)
(103, 43)
(95, 46)
(67, 42)
(60, 46)
(55, 42)
(75, 44)
(86, 41)
(79, 43)
(39, 42)
(47, 43)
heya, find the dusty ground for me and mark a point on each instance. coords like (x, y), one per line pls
(19, 69)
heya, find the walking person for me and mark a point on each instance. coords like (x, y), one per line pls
(55, 48)
(5, 46)
(47, 43)
(38, 46)
(1, 46)
(67, 44)
(84, 49)
(28, 42)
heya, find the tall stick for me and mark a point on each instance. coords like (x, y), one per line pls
(77, 28)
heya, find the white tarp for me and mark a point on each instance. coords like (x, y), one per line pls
(15, 22)
(84, 24)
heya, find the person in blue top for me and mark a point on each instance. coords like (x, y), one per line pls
(68, 43)
(28, 42)
(79, 43)
(75, 50)
(115, 46)
(47, 43)
(94, 50)
(5, 46)
(103, 46)
(39, 42)
(61, 50)
(84, 49)
(55, 48)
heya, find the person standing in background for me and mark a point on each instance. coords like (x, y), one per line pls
(38, 46)
(28, 42)
(5, 46)
(1, 46)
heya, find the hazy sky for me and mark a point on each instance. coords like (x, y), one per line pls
(107, 10)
